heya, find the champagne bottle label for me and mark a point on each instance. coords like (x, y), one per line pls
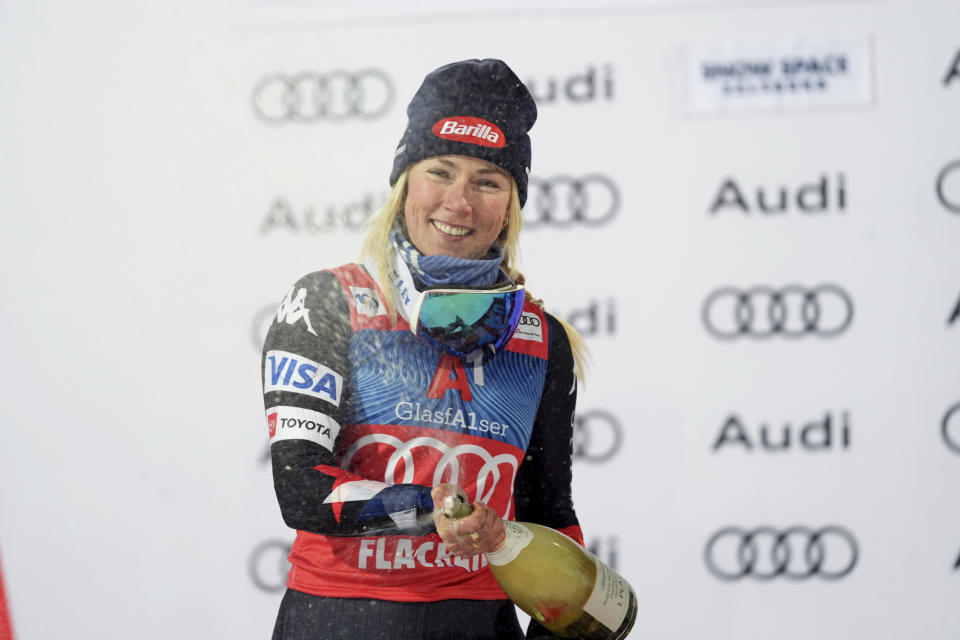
(610, 599)
(518, 537)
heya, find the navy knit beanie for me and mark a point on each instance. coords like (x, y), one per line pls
(476, 108)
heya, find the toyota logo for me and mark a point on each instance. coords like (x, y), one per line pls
(267, 565)
(796, 553)
(791, 311)
(597, 436)
(950, 198)
(311, 96)
(563, 201)
(950, 428)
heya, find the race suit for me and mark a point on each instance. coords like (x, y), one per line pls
(364, 418)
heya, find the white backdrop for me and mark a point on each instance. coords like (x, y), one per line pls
(155, 211)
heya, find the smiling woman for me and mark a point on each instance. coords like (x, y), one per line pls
(456, 206)
(426, 371)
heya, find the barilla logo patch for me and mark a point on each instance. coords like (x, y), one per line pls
(471, 130)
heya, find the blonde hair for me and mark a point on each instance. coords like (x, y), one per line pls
(377, 249)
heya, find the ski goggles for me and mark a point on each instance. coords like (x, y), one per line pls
(462, 320)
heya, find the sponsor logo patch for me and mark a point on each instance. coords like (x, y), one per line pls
(295, 423)
(290, 372)
(365, 300)
(272, 423)
(530, 328)
(294, 309)
(470, 130)
(775, 73)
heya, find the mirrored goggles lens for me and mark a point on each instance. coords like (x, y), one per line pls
(460, 321)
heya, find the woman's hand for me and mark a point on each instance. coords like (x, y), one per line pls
(479, 532)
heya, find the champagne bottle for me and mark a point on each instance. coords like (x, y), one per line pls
(557, 582)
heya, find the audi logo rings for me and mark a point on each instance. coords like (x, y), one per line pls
(792, 311)
(562, 201)
(951, 419)
(597, 436)
(268, 565)
(796, 553)
(310, 96)
(951, 202)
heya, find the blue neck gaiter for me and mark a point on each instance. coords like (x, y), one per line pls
(447, 270)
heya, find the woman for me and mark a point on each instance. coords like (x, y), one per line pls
(383, 395)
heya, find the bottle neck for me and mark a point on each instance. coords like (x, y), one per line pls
(455, 507)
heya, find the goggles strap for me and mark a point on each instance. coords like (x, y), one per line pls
(403, 284)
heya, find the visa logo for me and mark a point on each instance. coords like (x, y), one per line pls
(292, 373)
